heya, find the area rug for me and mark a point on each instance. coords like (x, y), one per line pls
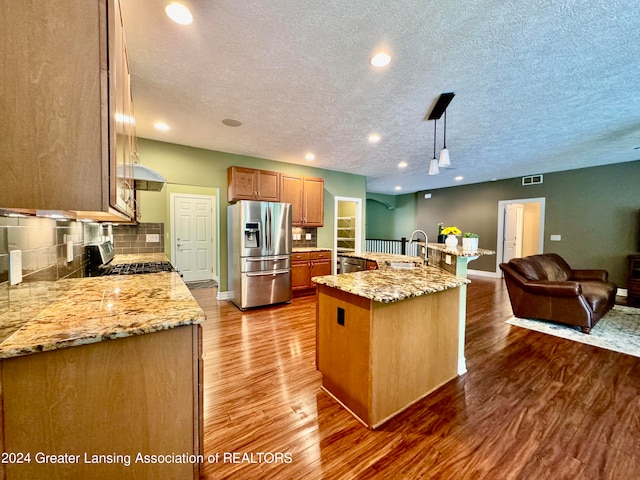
(618, 330)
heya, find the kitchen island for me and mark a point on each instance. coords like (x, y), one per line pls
(100, 374)
(386, 338)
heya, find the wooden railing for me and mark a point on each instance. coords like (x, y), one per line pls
(399, 247)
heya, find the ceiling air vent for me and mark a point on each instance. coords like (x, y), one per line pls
(532, 180)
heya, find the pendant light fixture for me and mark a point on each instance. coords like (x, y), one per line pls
(444, 153)
(433, 166)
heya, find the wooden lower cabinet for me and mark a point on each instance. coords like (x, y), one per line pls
(305, 266)
(377, 359)
(117, 402)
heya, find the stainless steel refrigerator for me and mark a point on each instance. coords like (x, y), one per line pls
(259, 246)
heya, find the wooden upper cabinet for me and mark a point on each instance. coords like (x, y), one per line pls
(291, 192)
(313, 201)
(306, 195)
(251, 184)
(56, 147)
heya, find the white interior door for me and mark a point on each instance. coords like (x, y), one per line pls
(192, 236)
(512, 242)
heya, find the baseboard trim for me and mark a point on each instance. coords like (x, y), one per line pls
(483, 273)
(223, 295)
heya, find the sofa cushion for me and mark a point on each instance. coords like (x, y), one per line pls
(599, 295)
(544, 267)
(556, 269)
(528, 268)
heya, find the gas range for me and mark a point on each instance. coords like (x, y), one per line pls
(100, 256)
(136, 268)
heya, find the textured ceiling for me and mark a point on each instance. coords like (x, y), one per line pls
(540, 86)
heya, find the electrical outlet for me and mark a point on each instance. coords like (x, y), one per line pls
(307, 236)
(555, 238)
(153, 238)
(15, 267)
(447, 259)
(69, 251)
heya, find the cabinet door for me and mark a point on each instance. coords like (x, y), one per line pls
(268, 186)
(51, 151)
(241, 184)
(313, 189)
(121, 118)
(320, 267)
(291, 192)
(300, 275)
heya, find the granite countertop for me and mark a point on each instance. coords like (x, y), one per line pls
(393, 284)
(46, 316)
(384, 259)
(458, 251)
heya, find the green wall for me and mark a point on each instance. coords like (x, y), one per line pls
(200, 171)
(390, 217)
(595, 210)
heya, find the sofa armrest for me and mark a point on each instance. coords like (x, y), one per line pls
(554, 289)
(599, 275)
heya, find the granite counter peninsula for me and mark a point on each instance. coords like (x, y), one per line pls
(104, 366)
(386, 338)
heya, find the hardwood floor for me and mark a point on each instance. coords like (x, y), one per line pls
(531, 406)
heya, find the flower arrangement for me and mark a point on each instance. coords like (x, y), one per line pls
(470, 235)
(451, 231)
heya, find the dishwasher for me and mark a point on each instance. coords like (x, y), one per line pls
(351, 264)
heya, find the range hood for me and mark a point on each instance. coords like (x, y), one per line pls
(146, 179)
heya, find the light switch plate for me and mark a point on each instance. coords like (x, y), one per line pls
(555, 238)
(15, 267)
(308, 236)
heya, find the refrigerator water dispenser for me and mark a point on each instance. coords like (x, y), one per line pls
(251, 235)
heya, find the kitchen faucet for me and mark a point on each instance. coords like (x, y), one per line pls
(423, 247)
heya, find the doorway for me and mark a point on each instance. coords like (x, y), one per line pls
(348, 227)
(193, 235)
(520, 229)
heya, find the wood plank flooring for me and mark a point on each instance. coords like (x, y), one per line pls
(531, 406)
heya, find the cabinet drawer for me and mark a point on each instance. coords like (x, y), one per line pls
(300, 257)
(325, 254)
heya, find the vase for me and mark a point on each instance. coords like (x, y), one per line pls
(470, 244)
(451, 242)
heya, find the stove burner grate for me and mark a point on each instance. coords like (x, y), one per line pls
(136, 268)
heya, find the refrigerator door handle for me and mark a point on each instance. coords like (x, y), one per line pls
(272, 273)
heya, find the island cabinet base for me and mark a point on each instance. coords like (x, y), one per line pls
(102, 410)
(377, 359)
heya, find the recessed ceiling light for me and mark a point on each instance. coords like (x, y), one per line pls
(380, 59)
(458, 178)
(398, 187)
(310, 156)
(402, 165)
(231, 122)
(179, 13)
(161, 126)
(374, 138)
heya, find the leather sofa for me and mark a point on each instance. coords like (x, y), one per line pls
(545, 287)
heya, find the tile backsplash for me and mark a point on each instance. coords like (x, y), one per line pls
(303, 232)
(44, 245)
(141, 238)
